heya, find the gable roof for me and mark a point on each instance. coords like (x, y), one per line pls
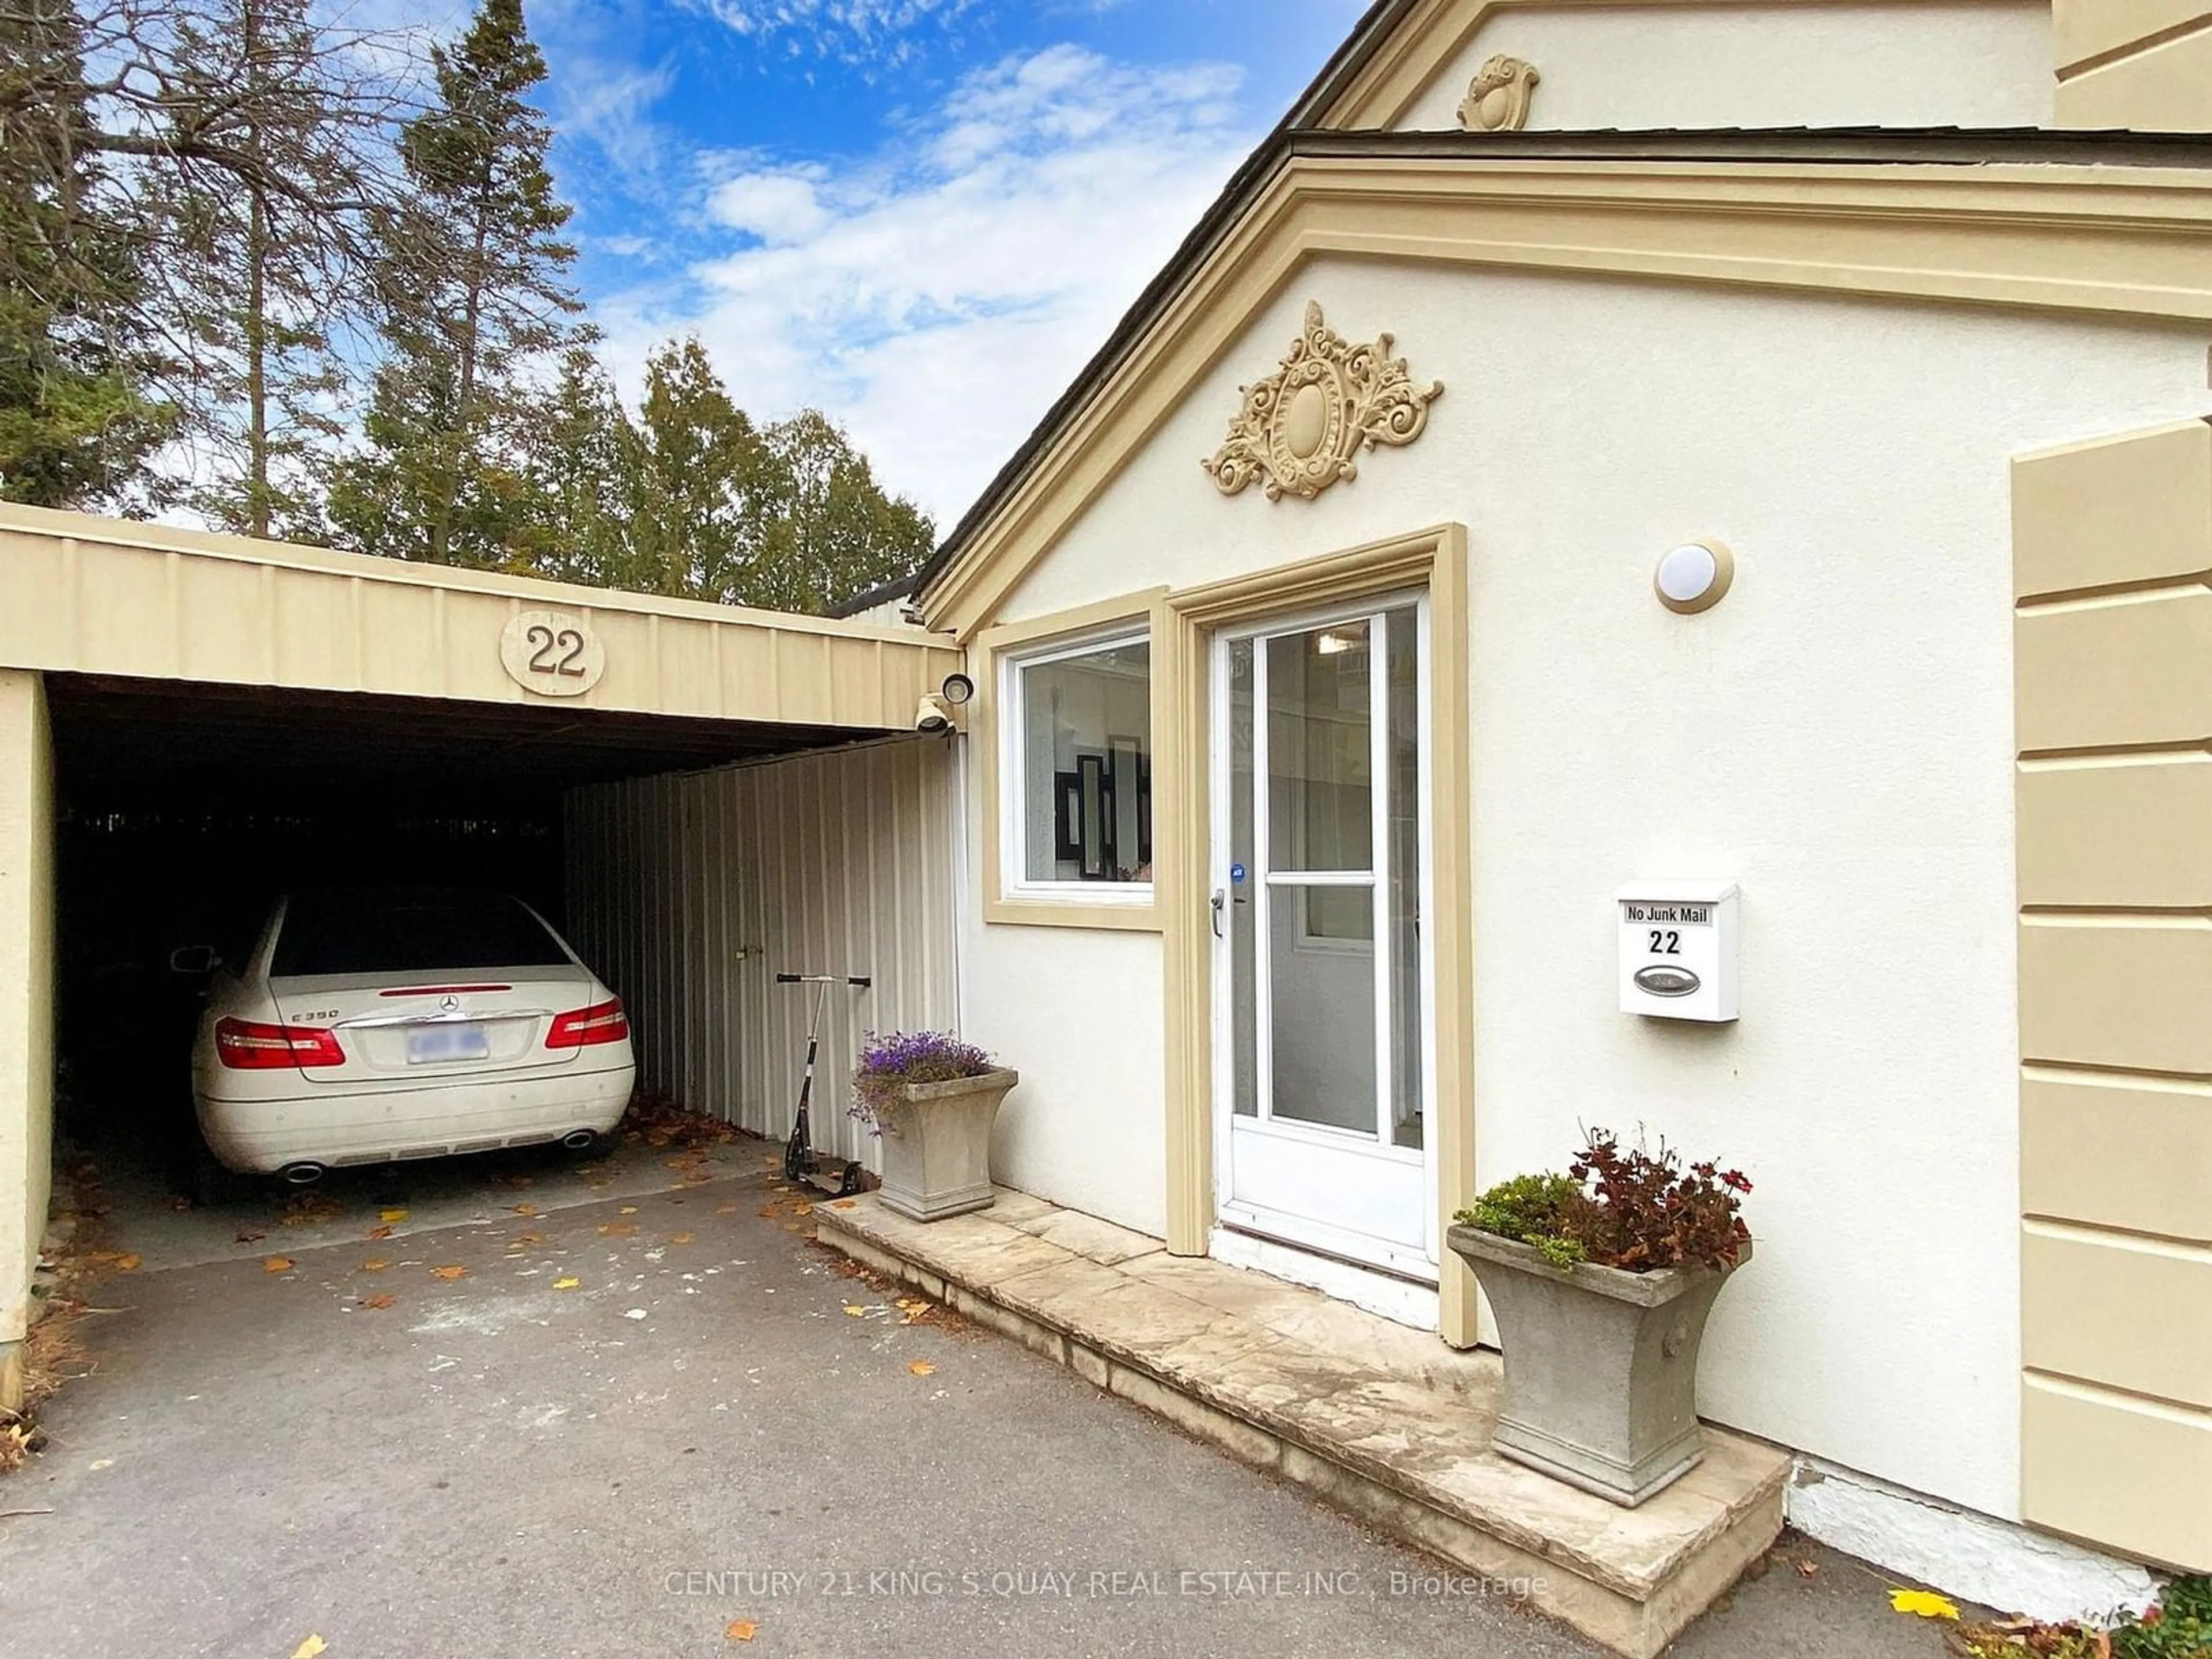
(1834, 147)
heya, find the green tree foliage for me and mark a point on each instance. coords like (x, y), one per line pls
(75, 426)
(261, 281)
(691, 497)
(481, 306)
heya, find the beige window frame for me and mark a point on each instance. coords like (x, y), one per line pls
(999, 651)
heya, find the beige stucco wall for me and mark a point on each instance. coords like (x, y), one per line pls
(26, 962)
(1951, 62)
(1836, 736)
(2140, 63)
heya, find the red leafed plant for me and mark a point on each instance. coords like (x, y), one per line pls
(1630, 1208)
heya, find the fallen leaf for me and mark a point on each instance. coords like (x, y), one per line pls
(726, 1209)
(844, 1204)
(456, 1270)
(857, 1311)
(103, 1463)
(802, 1209)
(566, 1284)
(126, 1262)
(530, 1238)
(376, 1266)
(617, 1229)
(679, 1238)
(379, 1232)
(250, 1237)
(391, 1215)
(626, 1209)
(740, 1630)
(772, 1212)
(308, 1648)
(1807, 1569)
(1926, 1604)
(525, 1209)
(921, 1367)
(379, 1300)
(277, 1264)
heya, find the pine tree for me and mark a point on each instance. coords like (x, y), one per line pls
(262, 286)
(481, 301)
(75, 426)
(691, 497)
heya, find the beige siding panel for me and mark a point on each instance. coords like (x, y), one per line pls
(132, 619)
(2129, 1475)
(747, 672)
(26, 979)
(2127, 834)
(318, 633)
(684, 657)
(2128, 670)
(2102, 1308)
(87, 595)
(2083, 29)
(2134, 1153)
(2129, 993)
(2113, 511)
(700, 888)
(229, 620)
(802, 674)
(398, 647)
(2165, 87)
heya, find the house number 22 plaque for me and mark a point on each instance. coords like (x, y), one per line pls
(553, 653)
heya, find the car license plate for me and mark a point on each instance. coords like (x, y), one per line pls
(428, 1044)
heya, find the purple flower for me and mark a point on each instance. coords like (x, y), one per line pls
(888, 1064)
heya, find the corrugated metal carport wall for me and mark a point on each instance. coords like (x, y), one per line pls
(688, 893)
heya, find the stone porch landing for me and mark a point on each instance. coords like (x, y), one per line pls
(1378, 1420)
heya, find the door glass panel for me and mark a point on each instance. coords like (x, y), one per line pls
(1403, 662)
(1320, 751)
(1240, 922)
(1323, 1025)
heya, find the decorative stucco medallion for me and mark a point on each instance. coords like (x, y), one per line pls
(1302, 429)
(1497, 98)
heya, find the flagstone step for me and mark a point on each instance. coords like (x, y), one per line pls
(1384, 1422)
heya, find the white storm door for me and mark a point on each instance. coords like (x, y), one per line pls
(1323, 1045)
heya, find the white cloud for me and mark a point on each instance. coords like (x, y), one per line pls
(778, 207)
(937, 296)
(848, 31)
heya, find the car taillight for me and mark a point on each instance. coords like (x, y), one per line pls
(246, 1045)
(603, 1022)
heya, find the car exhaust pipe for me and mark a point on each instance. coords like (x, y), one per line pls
(577, 1140)
(300, 1175)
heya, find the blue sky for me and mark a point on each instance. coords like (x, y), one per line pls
(920, 216)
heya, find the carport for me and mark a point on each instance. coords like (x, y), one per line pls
(698, 794)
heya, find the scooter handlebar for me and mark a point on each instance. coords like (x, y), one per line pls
(858, 981)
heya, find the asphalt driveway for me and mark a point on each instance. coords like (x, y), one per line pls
(637, 1411)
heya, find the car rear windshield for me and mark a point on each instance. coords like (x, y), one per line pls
(409, 930)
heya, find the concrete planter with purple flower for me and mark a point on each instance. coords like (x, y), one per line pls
(932, 1099)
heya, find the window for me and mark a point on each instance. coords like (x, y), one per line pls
(409, 930)
(1078, 762)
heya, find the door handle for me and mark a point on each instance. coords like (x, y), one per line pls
(1220, 899)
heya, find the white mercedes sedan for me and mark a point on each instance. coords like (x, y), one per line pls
(369, 1024)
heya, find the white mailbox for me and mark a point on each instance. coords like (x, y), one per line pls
(1678, 949)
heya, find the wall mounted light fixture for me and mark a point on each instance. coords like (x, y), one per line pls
(1694, 576)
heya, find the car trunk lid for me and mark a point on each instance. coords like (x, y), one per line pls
(397, 1024)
